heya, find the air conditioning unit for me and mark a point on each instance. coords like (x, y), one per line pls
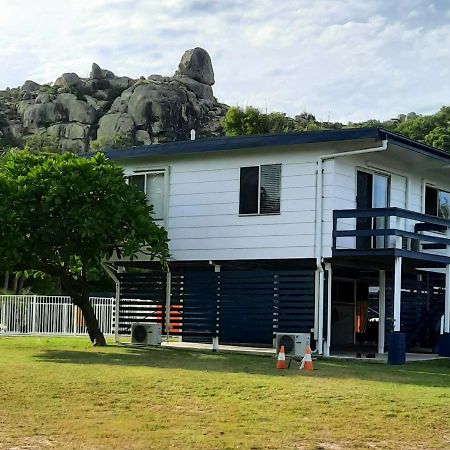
(294, 343)
(146, 333)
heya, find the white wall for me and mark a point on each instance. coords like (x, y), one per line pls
(203, 213)
(203, 219)
(408, 174)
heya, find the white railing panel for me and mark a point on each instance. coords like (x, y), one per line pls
(51, 315)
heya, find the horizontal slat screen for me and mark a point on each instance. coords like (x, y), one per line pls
(142, 299)
(240, 306)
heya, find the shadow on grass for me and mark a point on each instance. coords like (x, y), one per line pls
(427, 373)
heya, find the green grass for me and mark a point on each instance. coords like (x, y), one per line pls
(61, 393)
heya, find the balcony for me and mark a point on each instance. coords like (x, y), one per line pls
(391, 232)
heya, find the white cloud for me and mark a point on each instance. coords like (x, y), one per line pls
(347, 58)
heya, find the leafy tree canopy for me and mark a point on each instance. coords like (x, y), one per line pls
(432, 130)
(61, 215)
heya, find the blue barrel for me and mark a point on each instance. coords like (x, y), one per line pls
(396, 348)
(444, 345)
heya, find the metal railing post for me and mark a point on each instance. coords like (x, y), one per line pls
(33, 318)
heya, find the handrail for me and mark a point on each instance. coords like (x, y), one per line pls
(390, 212)
(370, 231)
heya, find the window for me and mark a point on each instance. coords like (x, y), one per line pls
(437, 202)
(154, 187)
(260, 189)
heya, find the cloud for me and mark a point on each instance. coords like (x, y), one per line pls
(348, 59)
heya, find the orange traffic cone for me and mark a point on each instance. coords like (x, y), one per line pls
(307, 363)
(281, 362)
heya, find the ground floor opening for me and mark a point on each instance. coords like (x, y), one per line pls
(351, 310)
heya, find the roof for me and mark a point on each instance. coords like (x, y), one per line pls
(221, 144)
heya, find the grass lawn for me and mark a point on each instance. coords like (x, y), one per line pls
(61, 393)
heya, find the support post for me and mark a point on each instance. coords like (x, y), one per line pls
(316, 303)
(447, 300)
(215, 343)
(327, 347)
(168, 295)
(382, 310)
(320, 314)
(397, 292)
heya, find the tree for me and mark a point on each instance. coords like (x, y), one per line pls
(61, 215)
(432, 130)
(439, 137)
(248, 121)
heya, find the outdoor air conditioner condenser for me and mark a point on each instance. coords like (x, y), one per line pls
(146, 333)
(294, 343)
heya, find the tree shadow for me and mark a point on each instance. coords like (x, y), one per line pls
(424, 373)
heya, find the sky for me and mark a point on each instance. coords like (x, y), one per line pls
(341, 60)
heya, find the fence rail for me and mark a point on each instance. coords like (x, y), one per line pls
(51, 315)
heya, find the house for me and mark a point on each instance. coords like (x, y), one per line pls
(341, 233)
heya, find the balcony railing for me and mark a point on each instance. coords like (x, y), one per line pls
(357, 231)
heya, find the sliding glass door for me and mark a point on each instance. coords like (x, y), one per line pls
(372, 191)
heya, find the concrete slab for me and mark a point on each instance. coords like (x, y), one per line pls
(222, 348)
(382, 358)
(379, 358)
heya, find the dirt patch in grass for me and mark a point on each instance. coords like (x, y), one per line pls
(27, 443)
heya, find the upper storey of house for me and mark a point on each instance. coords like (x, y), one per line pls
(262, 197)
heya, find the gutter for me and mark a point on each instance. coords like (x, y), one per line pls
(318, 232)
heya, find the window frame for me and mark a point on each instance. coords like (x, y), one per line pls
(379, 172)
(154, 171)
(430, 185)
(259, 190)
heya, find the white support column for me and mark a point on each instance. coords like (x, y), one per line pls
(397, 292)
(320, 314)
(316, 303)
(447, 300)
(117, 307)
(168, 298)
(382, 310)
(327, 346)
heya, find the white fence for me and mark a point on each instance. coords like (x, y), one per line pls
(39, 314)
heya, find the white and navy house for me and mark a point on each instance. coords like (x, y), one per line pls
(344, 234)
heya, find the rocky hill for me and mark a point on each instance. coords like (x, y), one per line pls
(75, 111)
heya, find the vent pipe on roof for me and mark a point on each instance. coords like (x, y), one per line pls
(192, 135)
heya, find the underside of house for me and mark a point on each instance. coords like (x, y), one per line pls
(349, 248)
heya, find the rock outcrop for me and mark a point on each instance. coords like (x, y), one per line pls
(75, 110)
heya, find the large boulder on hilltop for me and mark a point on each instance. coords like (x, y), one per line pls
(111, 124)
(30, 86)
(97, 73)
(149, 103)
(201, 90)
(76, 110)
(68, 80)
(196, 64)
(42, 114)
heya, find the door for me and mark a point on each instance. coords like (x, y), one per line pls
(364, 200)
(372, 191)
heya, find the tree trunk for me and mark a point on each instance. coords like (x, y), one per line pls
(6, 282)
(95, 334)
